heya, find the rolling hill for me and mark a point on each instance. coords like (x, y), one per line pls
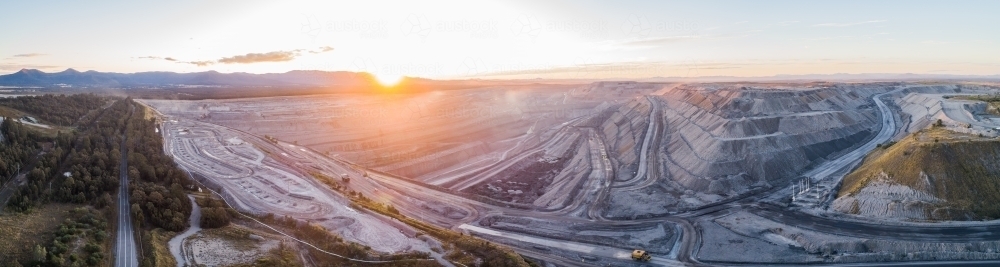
(934, 174)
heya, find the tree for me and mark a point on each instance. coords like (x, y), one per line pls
(40, 253)
(137, 214)
(104, 201)
(214, 217)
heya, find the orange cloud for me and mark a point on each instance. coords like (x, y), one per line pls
(277, 56)
(30, 55)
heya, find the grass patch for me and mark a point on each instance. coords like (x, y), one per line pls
(238, 237)
(8, 112)
(80, 240)
(282, 256)
(161, 256)
(21, 232)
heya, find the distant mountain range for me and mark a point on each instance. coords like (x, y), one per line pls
(74, 78)
(315, 78)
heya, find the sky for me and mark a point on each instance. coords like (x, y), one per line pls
(505, 39)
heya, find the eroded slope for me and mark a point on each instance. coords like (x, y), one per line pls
(717, 141)
(934, 174)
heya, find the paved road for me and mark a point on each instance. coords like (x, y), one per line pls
(888, 130)
(935, 233)
(651, 127)
(588, 249)
(125, 250)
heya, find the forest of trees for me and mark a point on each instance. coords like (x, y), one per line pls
(82, 166)
(157, 184)
(92, 160)
(18, 146)
(90, 155)
(62, 110)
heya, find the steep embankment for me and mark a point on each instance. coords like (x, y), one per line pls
(932, 174)
(718, 141)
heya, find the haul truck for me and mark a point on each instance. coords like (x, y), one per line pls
(640, 255)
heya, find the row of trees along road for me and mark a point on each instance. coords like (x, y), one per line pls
(80, 165)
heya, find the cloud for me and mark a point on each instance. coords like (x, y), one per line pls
(30, 55)
(322, 50)
(662, 40)
(199, 63)
(249, 58)
(848, 24)
(276, 56)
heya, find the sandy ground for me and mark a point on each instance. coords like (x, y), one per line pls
(214, 249)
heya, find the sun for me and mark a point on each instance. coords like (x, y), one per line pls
(388, 79)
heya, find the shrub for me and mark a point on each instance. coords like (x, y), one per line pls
(214, 217)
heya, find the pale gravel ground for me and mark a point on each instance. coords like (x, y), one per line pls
(176, 244)
(252, 192)
(216, 251)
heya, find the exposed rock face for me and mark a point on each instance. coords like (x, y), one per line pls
(724, 140)
(767, 134)
(624, 132)
(883, 198)
(922, 109)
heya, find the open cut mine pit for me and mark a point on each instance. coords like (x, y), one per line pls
(657, 148)
(256, 183)
(599, 168)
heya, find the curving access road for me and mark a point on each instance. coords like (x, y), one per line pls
(829, 168)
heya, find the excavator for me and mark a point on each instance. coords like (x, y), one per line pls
(640, 255)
